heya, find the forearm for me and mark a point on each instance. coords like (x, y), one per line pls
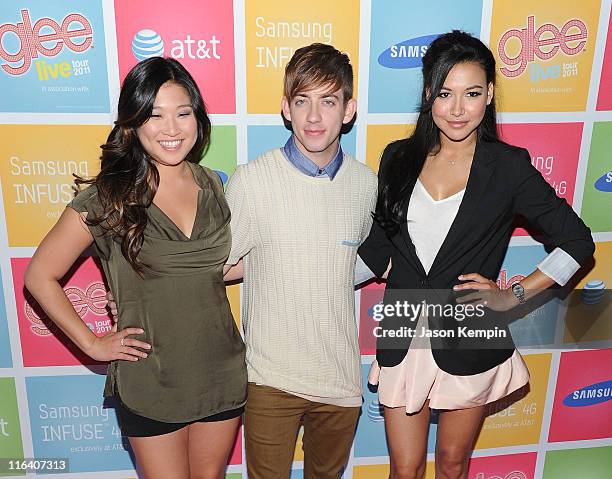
(536, 282)
(533, 285)
(233, 272)
(52, 298)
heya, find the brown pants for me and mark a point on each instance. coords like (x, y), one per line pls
(271, 424)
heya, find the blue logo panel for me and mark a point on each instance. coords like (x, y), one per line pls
(5, 346)
(401, 33)
(69, 420)
(53, 57)
(262, 138)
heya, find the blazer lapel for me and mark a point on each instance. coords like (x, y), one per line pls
(404, 243)
(480, 173)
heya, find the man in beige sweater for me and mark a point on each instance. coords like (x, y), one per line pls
(298, 215)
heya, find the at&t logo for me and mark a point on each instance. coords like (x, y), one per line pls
(22, 42)
(148, 43)
(543, 43)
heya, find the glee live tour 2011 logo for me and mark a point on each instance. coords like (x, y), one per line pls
(544, 52)
(44, 38)
(53, 57)
(544, 44)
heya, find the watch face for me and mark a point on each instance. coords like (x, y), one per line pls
(518, 288)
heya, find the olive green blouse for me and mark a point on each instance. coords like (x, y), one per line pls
(196, 366)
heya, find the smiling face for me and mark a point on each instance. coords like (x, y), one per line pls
(171, 131)
(316, 118)
(462, 101)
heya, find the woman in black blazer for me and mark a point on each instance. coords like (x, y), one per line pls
(448, 197)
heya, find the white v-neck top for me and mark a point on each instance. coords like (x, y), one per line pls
(429, 221)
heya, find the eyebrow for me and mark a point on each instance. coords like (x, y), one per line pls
(326, 95)
(468, 88)
(180, 106)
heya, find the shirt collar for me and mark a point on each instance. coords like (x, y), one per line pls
(307, 166)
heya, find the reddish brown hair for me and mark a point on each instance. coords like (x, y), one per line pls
(318, 65)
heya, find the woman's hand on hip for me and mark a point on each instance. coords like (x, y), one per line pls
(486, 293)
(118, 345)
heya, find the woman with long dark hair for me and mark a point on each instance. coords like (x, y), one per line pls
(160, 225)
(448, 196)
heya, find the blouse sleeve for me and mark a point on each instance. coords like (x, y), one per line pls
(537, 201)
(559, 266)
(242, 234)
(87, 201)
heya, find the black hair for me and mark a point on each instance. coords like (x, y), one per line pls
(128, 177)
(407, 160)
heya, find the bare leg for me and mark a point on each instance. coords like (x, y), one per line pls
(407, 439)
(162, 457)
(210, 444)
(457, 431)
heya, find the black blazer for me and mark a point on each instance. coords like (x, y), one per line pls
(502, 184)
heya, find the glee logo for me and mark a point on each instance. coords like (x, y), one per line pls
(512, 475)
(503, 282)
(33, 42)
(543, 43)
(92, 299)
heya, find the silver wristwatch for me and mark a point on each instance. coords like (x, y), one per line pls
(519, 292)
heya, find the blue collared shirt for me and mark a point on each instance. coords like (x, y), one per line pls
(306, 165)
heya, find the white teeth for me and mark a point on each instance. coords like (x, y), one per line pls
(170, 144)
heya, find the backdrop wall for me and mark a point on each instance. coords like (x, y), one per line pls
(61, 66)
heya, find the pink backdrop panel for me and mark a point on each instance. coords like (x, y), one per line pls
(582, 408)
(198, 33)
(370, 295)
(42, 343)
(510, 466)
(604, 99)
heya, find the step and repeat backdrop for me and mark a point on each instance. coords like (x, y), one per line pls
(62, 63)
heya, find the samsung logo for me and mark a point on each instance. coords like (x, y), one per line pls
(604, 183)
(222, 175)
(407, 54)
(590, 395)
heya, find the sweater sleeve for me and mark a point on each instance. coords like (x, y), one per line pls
(537, 201)
(242, 232)
(376, 249)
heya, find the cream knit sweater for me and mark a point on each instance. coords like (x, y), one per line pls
(299, 237)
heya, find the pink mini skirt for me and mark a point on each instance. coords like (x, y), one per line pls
(418, 378)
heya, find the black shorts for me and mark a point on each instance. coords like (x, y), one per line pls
(133, 425)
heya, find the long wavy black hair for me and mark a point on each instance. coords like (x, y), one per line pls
(128, 178)
(406, 162)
